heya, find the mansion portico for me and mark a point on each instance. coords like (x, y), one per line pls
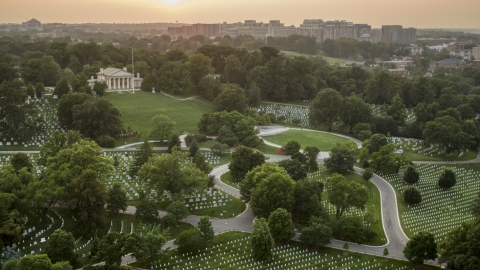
(117, 79)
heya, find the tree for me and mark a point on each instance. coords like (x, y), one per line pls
(37, 261)
(325, 109)
(460, 247)
(255, 176)
(308, 200)
(352, 228)
(375, 142)
(386, 161)
(381, 88)
(193, 148)
(355, 111)
(79, 84)
(99, 88)
(447, 179)
(385, 252)
(10, 253)
(243, 160)
(275, 191)
(397, 110)
(200, 66)
(21, 160)
(169, 221)
(65, 107)
(176, 78)
(254, 95)
(163, 127)
(234, 71)
(294, 168)
(292, 147)
(174, 143)
(117, 199)
(205, 227)
(232, 98)
(147, 210)
(412, 195)
(209, 88)
(147, 244)
(262, 241)
(311, 155)
(61, 88)
(40, 88)
(141, 157)
(11, 222)
(87, 199)
(60, 247)
(344, 195)
(149, 82)
(30, 91)
(96, 117)
(317, 233)
(111, 248)
(367, 175)
(190, 241)
(341, 160)
(411, 175)
(281, 225)
(421, 247)
(447, 132)
(173, 173)
(201, 163)
(178, 209)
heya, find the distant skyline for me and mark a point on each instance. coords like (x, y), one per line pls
(409, 13)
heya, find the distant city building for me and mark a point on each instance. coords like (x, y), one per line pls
(117, 79)
(414, 49)
(476, 53)
(453, 62)
(32, 24)
(457, 49)
(398, 34)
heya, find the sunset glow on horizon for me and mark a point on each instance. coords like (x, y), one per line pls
(410, 13)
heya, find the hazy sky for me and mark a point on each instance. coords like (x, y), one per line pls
(411, 13)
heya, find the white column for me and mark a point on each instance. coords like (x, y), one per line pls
(115, 83)
(108, 84)
(124, 83)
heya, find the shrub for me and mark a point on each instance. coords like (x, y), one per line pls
(169, 221)
(447, 179)
(411, 195)
(105, 141)
(252, 141)
(195, 137)
(190, 241)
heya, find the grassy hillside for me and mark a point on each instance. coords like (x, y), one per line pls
(330, 60)
(323, 141)
(139, 108)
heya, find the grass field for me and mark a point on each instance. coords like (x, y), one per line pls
(323, 141)
(440, 210)
(138, 109)
(232, 250)
(330, 60)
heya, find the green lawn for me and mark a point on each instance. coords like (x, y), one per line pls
(323, 141)
(227, 179)
(232, 250)
(373, 203)
(330, 60)
(139, 108)
(267, 149)
(470, 154)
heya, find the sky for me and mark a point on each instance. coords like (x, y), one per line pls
(409, 13)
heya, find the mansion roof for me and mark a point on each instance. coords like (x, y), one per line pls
(114, 72)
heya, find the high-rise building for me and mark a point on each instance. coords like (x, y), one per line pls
(476, 53)
(398, 34)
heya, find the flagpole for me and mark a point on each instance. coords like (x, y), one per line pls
(133, 73)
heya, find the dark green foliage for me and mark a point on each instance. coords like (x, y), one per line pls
(105, 141)
(308, 196)
(317, 233)
(60, 247)
(197, 137)
(169, 221)
(163, 127)
(11, 222)
(243, 160)
(262, 241)
(193, 148)
(411, 175)
(190, 241)
(325, 109)
(277, 190)
(252, 141)
(352, 229)
(412, 195)
(294, 168)
(178, 209)
(100, 88)
(205, 227)
(232, 98)
(476, 206)
(111, 248)
(447, 179)
(21, 160)
(146, 210)
(61, 88)
(311, 155)
(174, 142)
(201, 163)
(96, 117)
(226, 136)
(460, 248)
(375, 142)
(65, 107)
(420, 248)
(281, 225)
(117, 199)
(292, 147)
(367, 175)
(341, 160)
(141, 157)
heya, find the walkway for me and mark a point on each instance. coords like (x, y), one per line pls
(181, 99)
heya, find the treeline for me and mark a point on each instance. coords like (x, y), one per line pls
(351, 48)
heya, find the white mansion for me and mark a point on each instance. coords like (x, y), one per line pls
(117, 79)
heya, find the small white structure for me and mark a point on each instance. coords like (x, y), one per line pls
(117, 79)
